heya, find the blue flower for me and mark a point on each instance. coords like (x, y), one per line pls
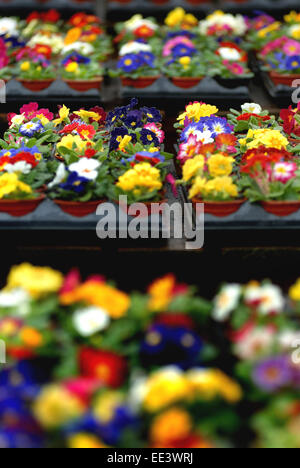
(192, 129)
(152, 114)
(147, 58)
(184, 33)
(8, 152)
(31, 128)
(182, 50)
(129, 63)
(76, 57)
(133, 119)
(219, 126)
(293, 63)
(18, 439)
(116, 137)
(118, 114)
(148, 137)
(75, 183)
(23, 380)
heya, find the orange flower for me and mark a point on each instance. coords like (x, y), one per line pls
(73, 36)
(31, 337)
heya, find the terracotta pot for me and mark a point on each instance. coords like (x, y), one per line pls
(139, 83)
(84, 85)
(287, 79)
(18, 208)
(186, 82)
(37, 85)
(220, 209)
(153, 208)
(78, 209)
(281, 208)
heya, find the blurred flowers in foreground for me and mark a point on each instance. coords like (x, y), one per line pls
(90, 366)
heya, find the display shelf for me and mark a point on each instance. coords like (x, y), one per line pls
(66, 7)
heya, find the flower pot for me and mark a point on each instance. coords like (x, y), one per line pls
(78, 209)
(232, 83)
(287, 79)
(84, 85)
(281, 208)
(153, 208)
(36, 85)
(294, 142)
(186, 82)
(139, 83)
(220, 209)
(18, 208)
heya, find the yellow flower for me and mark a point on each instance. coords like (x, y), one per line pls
(141, 176)
(44, 121)
(265, 137)
(72, 67)
(269, 29)
(125, 142)
(105, 406)
(85, 441)
(55, 407)
(72, 36)
(220, 165)
(25, 66)
(294, 292)
(115, 303)
(73, 141)
(193, 167)
(295, 32)
(222, 187)
(64, 113)
(10, 185)
(174, 424)
(189, 21)
(185, 61)
(196, 111)
(37, 281)
(210, 384)
(161, 293)
(198, 188)
(292, 17)
(17, 120)
(164, 388)
(31, 337)
(87, 115)
(175, 17)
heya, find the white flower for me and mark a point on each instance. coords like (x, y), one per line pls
(134, 48)
(268, 298)
(86, 168)
(9, 27)
(255, 343)
(236, 24)
(251, 108)
(226, 302)
(228, 53)
(60, 176)
(18, 299)
(203, 137)
(54, 41)
(91, 320)
(141, 22)
(21, 166)
(288, 338)
(138, 391)
(81, 47)
(17, 120)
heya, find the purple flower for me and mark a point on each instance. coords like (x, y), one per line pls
(152, 114)
(116, 137)
(129, 63)
(273, 374)
(75, 57)
(181, 50)
(148, 137)
(75, 183)
(147, 58)
(293, 63)
(133, 119)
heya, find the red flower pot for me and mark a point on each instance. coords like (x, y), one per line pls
(18, 208)
(281, 208)
(221, 209)
(37, 85)
(294, 142)
(78, 209)
(139, 83)
(186, 82)
(287, 79)
(153, 208)
(84, 85)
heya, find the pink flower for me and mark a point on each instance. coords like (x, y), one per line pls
(172, 181)
(273, 45)
(284, 171)
(169, 46)
(235, 68)
(158, 132)
(189, 149)
(32, 110)
(291, 48)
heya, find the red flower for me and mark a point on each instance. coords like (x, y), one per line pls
(144, 32)
(33, 16)
(140, 158)
(20, 353)
(110, 368)
(247, 116)
(175, 320)
(255, 160)
(83, 388)
(289, 121)
(29, 109)
(69, 129)
(27, 157)
(44, 50)
(232, 45)
(52, 16)
(90, 153)
(10, 116)
(100, 111)
(210, 148)
(87, 132)
(226, 139)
